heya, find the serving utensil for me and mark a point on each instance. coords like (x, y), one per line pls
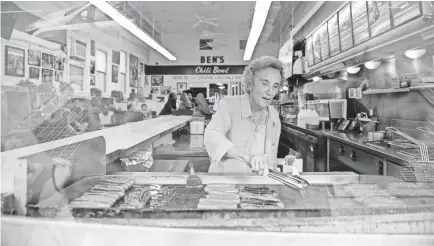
(193, 181)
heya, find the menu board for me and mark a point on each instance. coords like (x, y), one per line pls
(404, 11)
(309, 51)
(333, 32)
(324, 39)
(345, 28)
(359, 15)
(316, 47)
(379, 17)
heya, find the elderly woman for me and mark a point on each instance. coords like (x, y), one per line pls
(243, 134)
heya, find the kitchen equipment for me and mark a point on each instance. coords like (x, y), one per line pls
(422, 146)
(344, 125)
(353, 126)
(426, 130)
(329, 109)
(325, 89)
(193, 181)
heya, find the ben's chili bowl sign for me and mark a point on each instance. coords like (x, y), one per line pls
(211, 70)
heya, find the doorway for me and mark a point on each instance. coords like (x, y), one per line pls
(197, 90)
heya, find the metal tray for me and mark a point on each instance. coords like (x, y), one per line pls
(319, 200)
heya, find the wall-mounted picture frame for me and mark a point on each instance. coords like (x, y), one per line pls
(34, 73)
(165, 90)
(92, 67)
(14, 60)
(155, 89)
(59, 63)
(180, 87)
(47, 61)
(134, 70)
(115, 73)
(92, 80)
(157, 80)
(47, 76)
(34, 58)
(58, 76)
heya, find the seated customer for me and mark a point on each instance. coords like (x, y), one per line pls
(146, 113)
(170, 104)
(185, 102)
(78, 119)
(202, 108)
(107, 116)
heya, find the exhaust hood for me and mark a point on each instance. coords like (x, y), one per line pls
(407, 36)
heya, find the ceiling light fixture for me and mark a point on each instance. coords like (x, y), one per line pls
(127, 24)
(260, 16)
(415, 53)
(372, 64)
(353, 70)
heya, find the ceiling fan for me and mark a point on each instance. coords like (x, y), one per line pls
(205, 20)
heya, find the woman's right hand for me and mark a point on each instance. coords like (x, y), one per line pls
(259, 164)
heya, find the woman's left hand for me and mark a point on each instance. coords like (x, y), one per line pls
(259, 164)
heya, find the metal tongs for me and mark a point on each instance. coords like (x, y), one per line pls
(292, 181)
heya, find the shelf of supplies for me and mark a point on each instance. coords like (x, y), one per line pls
(392, 90)
(384, 91)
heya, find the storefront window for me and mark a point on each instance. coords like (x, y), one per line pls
(101, 68)
(123, 71)
(76, 75)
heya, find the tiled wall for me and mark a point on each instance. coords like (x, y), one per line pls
(405, 111)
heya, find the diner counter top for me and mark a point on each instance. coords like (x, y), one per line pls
(116, 138)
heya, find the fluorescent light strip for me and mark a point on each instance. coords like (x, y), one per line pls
(260, 16)
(127, 24)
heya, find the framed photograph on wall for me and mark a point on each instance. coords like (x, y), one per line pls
(115, 73)
(14, 60)
(155, 89)
(58, 76)
(59, 63)
(34, 73)
(157, 80)
(165, 90)
(92, 80)
(47, 76)
(47, 61)
(34, 58)
(134, 70)
(181, 86)
(92, 67)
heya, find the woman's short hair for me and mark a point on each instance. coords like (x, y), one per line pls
(112, 108)
(257, 65)
(143, 104)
